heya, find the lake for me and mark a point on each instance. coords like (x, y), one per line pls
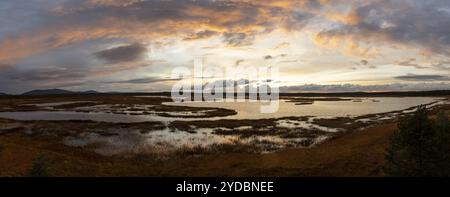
(285, 132)
(244, 109)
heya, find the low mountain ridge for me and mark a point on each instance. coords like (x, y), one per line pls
(57, 92)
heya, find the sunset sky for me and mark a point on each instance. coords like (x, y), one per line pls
(133, 45)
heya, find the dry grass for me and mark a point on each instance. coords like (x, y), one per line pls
(357, 153)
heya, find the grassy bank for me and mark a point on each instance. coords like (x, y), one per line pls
(354, 154)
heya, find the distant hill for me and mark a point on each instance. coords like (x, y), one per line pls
(57, 92)
(89, 92)
(48, 92)
(2, 94)
(337, 94)
(372, 94)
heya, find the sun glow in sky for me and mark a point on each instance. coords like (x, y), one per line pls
(133, 45)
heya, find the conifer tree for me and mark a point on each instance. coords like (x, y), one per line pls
(420, 146)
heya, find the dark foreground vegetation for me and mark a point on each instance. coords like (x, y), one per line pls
(420, 146)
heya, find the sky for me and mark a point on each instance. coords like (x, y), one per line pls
(134, 45)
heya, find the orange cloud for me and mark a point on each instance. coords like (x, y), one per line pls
(350, 18)
(347, 44)
(238, 17)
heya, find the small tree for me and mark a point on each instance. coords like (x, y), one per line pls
(40, 167)
(442, 127)
(418, 147)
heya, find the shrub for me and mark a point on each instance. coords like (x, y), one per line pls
(420, 146)
(39, 167)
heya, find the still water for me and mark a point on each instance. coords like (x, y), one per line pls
(251, 110)
(162, 143)
(244, 109)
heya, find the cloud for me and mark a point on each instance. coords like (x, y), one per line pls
(201, 35)
(238, 62)
(2, 66)
(282, 45)
(297, 20)
(268, 57)
(122, 53)
(119, 3)
(404, 23)
(443, 65)
(358, 24)
(67, 22)
(367, 88)
(43, 74)
(237, 39)
(413, 77)
(228, 83)
(16, 80)
(346, 42)
(146, 80)
(350, 18)
(364, 62)
(289, 61)
(32, 32)
(409, 62)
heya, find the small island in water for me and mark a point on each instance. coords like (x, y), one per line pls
(139, 134)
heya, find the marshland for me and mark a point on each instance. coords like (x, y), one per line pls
(148, 135)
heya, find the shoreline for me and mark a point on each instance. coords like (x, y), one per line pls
(356, 152)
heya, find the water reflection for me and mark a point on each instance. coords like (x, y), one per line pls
(251, 110)
(290, 132)
(245, 110)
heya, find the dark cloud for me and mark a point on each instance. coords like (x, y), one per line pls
(268, 57)
(297, 20)
(364, 62)
(367, 88)
(237, 39)
(15, 80)
(66, 22)
(65, 67)
(238, 62)
(69, 63)
(122, 53)
(2, 66)
(30, 30)
(44, 75)
(201, 35)
(228, 83)
(145, 80)
(422, 24)
(413, 77)
(410, 62)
